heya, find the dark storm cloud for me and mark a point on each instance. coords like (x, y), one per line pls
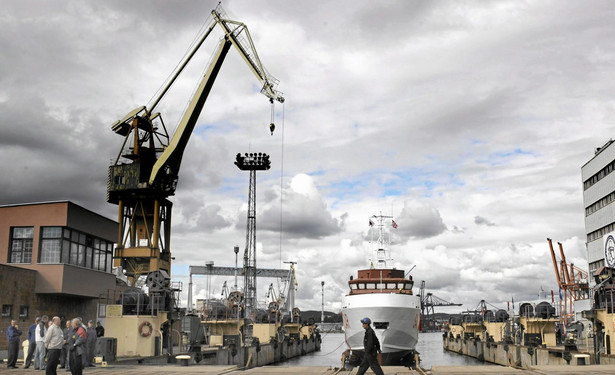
(46, 158)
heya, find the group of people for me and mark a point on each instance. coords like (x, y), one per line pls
(49, 345)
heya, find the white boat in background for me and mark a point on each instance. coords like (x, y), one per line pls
(385, 296)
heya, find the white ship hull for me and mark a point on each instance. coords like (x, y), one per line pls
(395, 320)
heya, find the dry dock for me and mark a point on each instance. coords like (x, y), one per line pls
(271, 370)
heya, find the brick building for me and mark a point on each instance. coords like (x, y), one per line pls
(55, 259)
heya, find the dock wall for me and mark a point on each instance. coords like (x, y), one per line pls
(516, 355)
(258, 355)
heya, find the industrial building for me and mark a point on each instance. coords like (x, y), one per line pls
(598, 194)
(55, 259)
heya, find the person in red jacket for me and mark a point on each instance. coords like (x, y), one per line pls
(77, 347)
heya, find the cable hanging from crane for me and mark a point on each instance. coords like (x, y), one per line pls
(281, 181)
(272, 125)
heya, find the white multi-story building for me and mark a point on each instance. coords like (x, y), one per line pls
(598, 196)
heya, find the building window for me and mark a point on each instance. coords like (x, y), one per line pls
(51, 245)
(599, 176)
(600, 232)
(7, 311)
(23, 311)
(21, 245)
(599, 204)
(83, 250)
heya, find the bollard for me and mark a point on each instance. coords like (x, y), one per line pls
(184, 359)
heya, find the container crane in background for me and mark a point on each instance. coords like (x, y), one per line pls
(572, 281)
(146, 170)
(428, 302)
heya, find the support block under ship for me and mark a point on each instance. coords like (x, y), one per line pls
(385, 296)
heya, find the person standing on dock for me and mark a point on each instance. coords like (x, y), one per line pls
(77, 346)
(31, 342)
(371, 345)
(13, 335)
(40, 352)
(54, 339)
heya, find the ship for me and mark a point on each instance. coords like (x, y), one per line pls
(384, 295)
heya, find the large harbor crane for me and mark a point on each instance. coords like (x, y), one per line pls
(572, 281)
(146, 170)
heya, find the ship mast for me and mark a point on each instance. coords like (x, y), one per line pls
(382, 250)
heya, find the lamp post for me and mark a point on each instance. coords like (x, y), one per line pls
(236, 250)
(322, 310)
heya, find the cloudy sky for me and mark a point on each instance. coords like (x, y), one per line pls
(468, 122)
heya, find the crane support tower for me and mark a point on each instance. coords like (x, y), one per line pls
(146, 170)
(251, 162)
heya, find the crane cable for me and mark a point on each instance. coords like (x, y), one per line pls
(204, 26)
(281, 177)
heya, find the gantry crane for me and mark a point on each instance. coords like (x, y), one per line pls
(146, 170)
(572, 281)
(428, 301)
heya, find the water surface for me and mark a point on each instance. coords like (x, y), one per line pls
(429, 347)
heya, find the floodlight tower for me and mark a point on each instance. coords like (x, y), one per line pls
(251, 162)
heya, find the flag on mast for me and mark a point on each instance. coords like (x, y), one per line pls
(394, 224)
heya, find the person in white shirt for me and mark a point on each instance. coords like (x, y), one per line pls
(54, 339)
(40, 351)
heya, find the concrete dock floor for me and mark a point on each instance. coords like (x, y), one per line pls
(271, 370)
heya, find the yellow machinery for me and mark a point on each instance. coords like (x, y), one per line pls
(145, 174)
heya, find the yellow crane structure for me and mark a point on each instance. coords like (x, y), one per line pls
(572, 281)
(145, 172)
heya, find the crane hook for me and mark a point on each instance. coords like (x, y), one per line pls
(272, 125)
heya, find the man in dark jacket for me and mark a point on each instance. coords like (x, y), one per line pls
(100, 330)
(77, 347)
(31, 342)
(91, 344)
(64, 360)
(13, 333)
(371, 345)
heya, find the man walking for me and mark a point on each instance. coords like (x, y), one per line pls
(13, 334)
(54, 339)
(31, 342)
(40, 352)
(371, 345)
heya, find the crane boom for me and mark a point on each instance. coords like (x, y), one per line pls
(141, 186)
(171, 157)
(248, 53)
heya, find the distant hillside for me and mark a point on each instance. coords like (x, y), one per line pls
(330, 317)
